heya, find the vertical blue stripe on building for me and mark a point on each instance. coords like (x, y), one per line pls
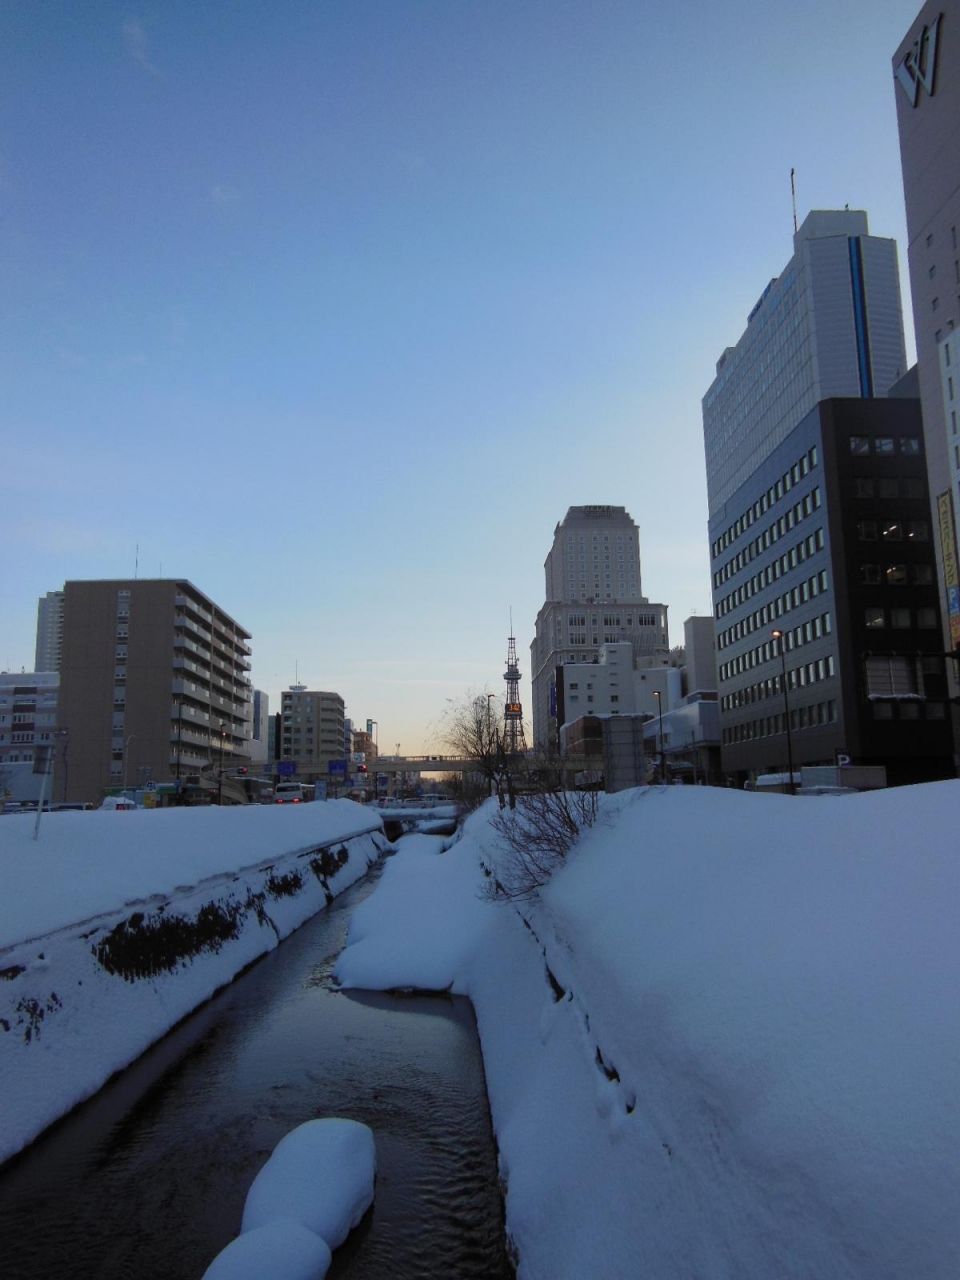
(860, 316)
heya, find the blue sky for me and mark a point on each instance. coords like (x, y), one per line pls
(334, 308)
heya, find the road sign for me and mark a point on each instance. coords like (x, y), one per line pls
(844, 758)
(286, 768)
(337, 768)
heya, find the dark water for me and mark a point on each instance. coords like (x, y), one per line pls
(148, 1179)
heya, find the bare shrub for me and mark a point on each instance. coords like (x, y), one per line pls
(535, 838)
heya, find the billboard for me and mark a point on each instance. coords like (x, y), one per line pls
(951, 573)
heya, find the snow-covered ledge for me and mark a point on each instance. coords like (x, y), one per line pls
(114, 926)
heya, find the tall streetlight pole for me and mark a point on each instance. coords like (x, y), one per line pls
(663, 759)
(778, 635)
(223, 727)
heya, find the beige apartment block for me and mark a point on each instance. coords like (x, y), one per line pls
(311, 730)
(154, 684)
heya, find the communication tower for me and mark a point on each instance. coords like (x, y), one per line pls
(513, 737)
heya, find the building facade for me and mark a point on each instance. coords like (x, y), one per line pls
(830, 325)
(49, 632)
(28, 721)
(154, 684)
(593, 598)
(312, 731)
(260, 727)
(826, 607)
(926, 87)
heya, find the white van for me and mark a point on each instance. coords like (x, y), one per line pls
(292, 793)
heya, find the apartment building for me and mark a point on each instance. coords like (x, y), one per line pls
(154, 684)
(312, 730)
(28, 721)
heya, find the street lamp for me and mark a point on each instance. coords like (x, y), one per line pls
(126, 753)
(223, 734)
(663, 760)
(778, 635)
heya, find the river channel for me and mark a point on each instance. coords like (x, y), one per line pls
(148, 1178)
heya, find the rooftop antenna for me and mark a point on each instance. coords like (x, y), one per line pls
(136, 560)
(793, 195)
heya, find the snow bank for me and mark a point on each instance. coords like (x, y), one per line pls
(114, 926)
(727, 1041)
(281, 1250)
(321, 1175)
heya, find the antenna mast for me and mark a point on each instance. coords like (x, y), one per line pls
(793, 196)
(514, 740)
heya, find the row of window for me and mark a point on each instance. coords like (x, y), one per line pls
(885, 446)
(775, 570)
(893, 530)
(876, 617)
(790, 477)
(774, 609)
(772, 686)
(769, 726)
(889, 487)
(772, 534)
(804, 633)
(896, 575)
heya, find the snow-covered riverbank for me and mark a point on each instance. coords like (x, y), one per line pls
(726, 1044)
(114, 926)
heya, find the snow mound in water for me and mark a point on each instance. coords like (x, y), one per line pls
(285, 1250)
(321, 1175)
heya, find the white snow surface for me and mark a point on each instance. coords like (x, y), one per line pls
(752, 1071)
(320, 1175)
(67, 1019)
(88, 863)
(281, 1250)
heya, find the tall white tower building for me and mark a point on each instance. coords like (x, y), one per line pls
(49, 632)
(829, 325)
(593, 597)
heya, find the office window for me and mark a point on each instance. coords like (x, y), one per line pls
(913, 488)
(870, 574)
(900, 619)
(892, 531)
(927, 619)
(923, 575)
(858, 445)
(891, 677)
(896, 575)
(918, 531)
(863, 486)
(867, 530)
(874, 617)
(884, 445)
(887, 487)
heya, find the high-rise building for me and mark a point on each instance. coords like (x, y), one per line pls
(49, 631)
(829, 325)
(260, 727)
(154, 684)
(827, 619)
(820, 532)
(311, 730)
(593, 598)
(926, 70)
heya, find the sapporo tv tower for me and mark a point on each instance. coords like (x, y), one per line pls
(514, 741)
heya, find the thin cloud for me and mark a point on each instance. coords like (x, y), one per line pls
(138, 46)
